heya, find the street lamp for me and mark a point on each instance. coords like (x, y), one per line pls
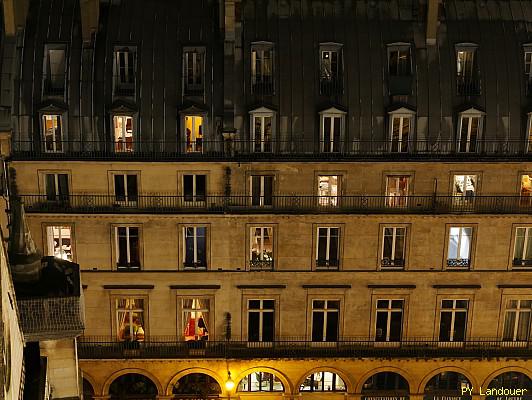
(229, 383)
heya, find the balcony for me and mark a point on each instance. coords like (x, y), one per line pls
(238, 149)
(327, 265)
(458, 263)
(261, 265)
(467, 86)
(173, 348)
(298, 204)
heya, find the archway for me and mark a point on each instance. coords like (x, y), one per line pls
(323, 381)
(386, 384)
(196, 386)
(260, 381)
(132, 386)
(448, 385)
(511, 385)
(88, 390)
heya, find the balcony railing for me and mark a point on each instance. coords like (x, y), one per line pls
(171, 150)
(168, 347)
(468, 86)
(331, 86)
(261, 265)
(300, 204)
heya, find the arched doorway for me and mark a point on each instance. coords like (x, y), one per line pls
(323, 381)
(509, 386)
(133, 387)
(196, 386)
(386, 386)
(88, 390)
(448, 385)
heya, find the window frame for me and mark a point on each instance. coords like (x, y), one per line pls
(261, 381)
(527, 263)
(261, 311)
(120, 143)
(329, 201)
(391, 200)
(528, 133)
(472, 246)
(116, 252)
(527, 67)
(469, 115)
(182, 248)
(506, 298)
(196, 88)
(401, 114)
(315, 233)
(454, 294)
(454, 310)
(58, 146)
(197, 199)
(262, 113)
(325, 310)
(193, 112)
(114, 297)
(330, 146)
(125, 89)
(249, 259)
(268, 88)
(112, 187)
(262, 185)
(474, 75)
(389, 310)
(180, 317)
(335, 82)
(398, 47)
(464, 198)
(47, 87)
(46, 240)
(393, 267)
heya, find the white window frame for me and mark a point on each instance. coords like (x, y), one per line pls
(261, 114)
(401, 115)
(325, 310)
(469, 48)
(118, 82)
(459, 243)
(527, 258)
(261, 310)
(195, 241)
(328, 244)
(194, 52)
(124, 176)
(194, 191)
(128, 245)
(57, 120)
(129, 312)
(394, 245)
(330, 146)
(261, 189)
(196, 146)
(263, 229)
(120, 140)
(50, 238)
(467, 117)
(518, 311)
(388, 312)
(454, 310)
(529, 133)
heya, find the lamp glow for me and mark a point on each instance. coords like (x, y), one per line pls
(229, 384)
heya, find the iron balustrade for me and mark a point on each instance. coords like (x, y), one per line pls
(458, 263)
(298, 204)
(331, 86)
(468, 86)
(173, 348)
(177, 149)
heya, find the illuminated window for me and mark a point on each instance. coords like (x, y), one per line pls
(123, 133)
(323, 381)
(401, 130)
(262, 132)
(260, 382)
(397, 187)
(52, 132)
(393, 247)
(130, 321)
(523, 247)
(196, 312)
(59, 240)
(194, 133)
(459, 246)
(526, 189)
(261, 248)
(328, 188)
(464, 188)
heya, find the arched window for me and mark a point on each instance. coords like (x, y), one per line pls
(386, 384)
(323, 381)
(200, 385)
(130, 386)
(260, 382)
(449, 385)
(510, 382)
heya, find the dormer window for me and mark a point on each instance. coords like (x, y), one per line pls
(399, 69)
(193, 71)
(527, 51)
(262, 62)
(401, 130)
(124, 71)
(193, 130)
(467, 70)
(331, 69)
(332, 126)
(123, 133)
(54, 69)
(52, 132)
(469, 129)
(262, 123)
(529, 134)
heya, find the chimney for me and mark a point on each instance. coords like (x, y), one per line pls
(432, 22)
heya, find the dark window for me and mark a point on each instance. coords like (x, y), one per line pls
(261, 322)
(261, 190)
(389, 321)
(126, 188)
(328, 245)
(57, 187)
(194, 187)
(193, 76)
(325, 320)
(54, 70)
(195, 247)
(467, 70)
(453, 320)
(124, 71)
(128, 250)
(331, 70)
(262, 69)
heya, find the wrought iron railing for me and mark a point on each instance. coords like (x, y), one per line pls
(270, 148)
(168, 347)
(468, 86)
(332, 86)
(168, 204)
